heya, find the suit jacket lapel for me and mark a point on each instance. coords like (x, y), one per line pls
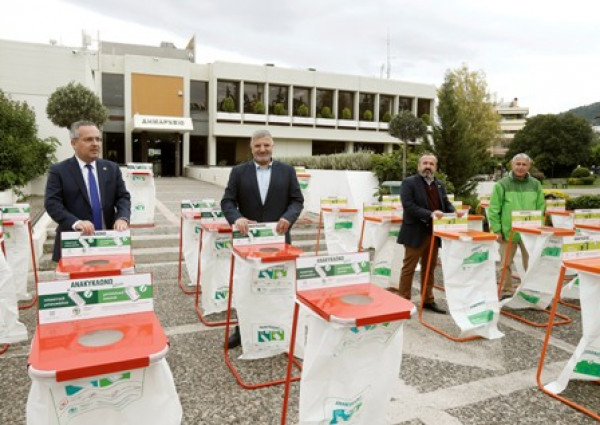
(78, 178)
(101, 170)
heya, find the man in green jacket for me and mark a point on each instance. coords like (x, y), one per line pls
(517, 191)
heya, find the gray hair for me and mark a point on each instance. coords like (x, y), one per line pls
(260, 134)
(74, 129)
(521, 156)
(427, 154)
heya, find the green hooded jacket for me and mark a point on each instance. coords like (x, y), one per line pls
(513, 194)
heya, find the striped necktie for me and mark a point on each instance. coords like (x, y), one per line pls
(94, 199)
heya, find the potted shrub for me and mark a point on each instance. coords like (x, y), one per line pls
(387, 117)
(326, 112)
(302, 110)
(228, 105)
(278, 109)
(346, 114)
(258, 108)
(368, 115)
(325, 118)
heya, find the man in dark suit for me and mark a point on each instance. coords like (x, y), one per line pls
(423, 198)
(262, 190)
(85, 193)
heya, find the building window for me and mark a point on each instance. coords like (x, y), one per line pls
(405, 104)
(114, 147)
(198, 148)
(254, 98)
(113, 90)
(325, 100)
(346, 105)
(225, 90)
(198, 96)
(368, 147)
(423, 107)
(385, 108)
(278, 100)
(301, 102)
(366, 106)
(321, 147)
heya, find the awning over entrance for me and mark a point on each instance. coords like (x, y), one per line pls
(160, 123)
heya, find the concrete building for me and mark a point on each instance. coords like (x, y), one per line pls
(512, 119)
(166, 109)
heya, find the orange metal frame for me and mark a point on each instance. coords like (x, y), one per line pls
(228, 322)
(533, 231)
(476, 235)
(33, 263)
(198, 290)
(588, 265)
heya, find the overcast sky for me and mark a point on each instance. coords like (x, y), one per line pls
(545, 52)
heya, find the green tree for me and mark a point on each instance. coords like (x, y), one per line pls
(556, 143)
(468, 123)
(23, 156)
(75, 102)
(405, 126)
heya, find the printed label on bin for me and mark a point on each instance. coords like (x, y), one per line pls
(274, 279)
(394, 200)
(334, 201)
(451, 222)
(555, 205)
(75, 299)
(15, 212)
(108, 242)
(378, 210)
(260, 233)
(190, 206)
(300, 169)
(531, 218)
(587, 216)
(80, 397)
(333, 270)
(580, 246)
(139, 166)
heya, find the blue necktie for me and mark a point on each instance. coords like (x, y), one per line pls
(94, 199)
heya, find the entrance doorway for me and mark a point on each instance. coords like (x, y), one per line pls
(163, 150)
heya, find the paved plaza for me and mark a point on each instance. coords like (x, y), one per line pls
(440, 383)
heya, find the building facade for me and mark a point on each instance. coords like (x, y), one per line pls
(512, 119)
(166, 109)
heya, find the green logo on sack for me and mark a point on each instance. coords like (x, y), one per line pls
(530, 298)
(382, 271)
(588, 367)
(551, 252)
(367, 328)
(221, 294)
(343, 225)
(346, 411)
(140, 207)
(481, 317)
(477, 258)
(273, 273)
(139, 178)
(276, 334)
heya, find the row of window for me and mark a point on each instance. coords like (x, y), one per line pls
(254, 101)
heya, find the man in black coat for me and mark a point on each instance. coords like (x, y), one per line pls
(423, 198)
(259, 191)
(68, 198)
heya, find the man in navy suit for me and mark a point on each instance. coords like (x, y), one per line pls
(69, 199)
(262, 190)
(423, 198)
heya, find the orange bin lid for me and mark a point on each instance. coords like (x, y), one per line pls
(341, 209)
(474, 217)
(538, 230)
(269, 252)
(56, 348)
(212, 226)
(94, 265)
(564, 213)
(591, 265)
(396, 219)
(348, 303)
(594, 227)
(475, 235)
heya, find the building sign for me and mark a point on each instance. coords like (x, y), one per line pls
(160, 123)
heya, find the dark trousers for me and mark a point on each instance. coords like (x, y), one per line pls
(411, 258)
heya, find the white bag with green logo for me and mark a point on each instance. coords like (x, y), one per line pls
(139, 181)
(538, 283)
(215, 265)
(388, 256)
(138, 396)
(264, 296)
(190, 244)
(18, 255)
(349, 372)
(584, 364)
(342, 231)
(470, 283)
(11, 330)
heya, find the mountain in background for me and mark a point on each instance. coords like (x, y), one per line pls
(589, 112)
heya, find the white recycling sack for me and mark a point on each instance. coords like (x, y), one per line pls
(215, 265)
(470, 281)
(584, 364)
(304, 182)
(11, 330)
(139, 181)
(18, 255)
(190, 240)
(264, 296)
(562, 221)
(341, 231)
(137, 396)
(538, 282)
(349, 372)
(388, 256)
